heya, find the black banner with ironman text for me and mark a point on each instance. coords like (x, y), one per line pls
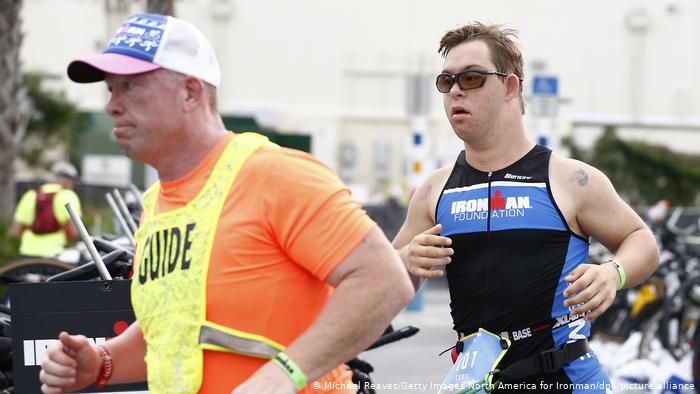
(40, 311)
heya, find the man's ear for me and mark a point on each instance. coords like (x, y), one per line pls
(512, 86)
(194, 87)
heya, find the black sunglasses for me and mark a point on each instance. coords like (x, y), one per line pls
(466, 80)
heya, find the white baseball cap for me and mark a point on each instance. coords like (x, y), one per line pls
(147, 42)
(62, 169)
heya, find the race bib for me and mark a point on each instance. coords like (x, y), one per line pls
(471, 373)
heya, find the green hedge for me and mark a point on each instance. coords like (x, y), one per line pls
(643, 173)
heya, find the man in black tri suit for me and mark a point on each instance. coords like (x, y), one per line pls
(511, 221)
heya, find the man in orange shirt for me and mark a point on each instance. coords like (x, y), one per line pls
(254, 266)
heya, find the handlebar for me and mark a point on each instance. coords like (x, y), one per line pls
(89, 271)
(393, 336)
(672, 224)
(108, 247)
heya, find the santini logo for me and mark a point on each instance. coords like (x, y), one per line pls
(521, 177)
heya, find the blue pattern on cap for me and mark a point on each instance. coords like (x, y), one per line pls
(139, 36)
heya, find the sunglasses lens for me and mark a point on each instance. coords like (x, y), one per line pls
(469, 80)
(444, 83)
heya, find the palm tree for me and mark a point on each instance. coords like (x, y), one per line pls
(14, 104)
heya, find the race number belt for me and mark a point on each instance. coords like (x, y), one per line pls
(532, 330)
(548, 361)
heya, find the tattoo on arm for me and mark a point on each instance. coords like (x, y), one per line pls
(581, 177)
(425, 192)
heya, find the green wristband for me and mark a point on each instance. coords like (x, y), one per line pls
(291, 369)
(620, 270)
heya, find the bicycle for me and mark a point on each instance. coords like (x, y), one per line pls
(29, 270)
(72, 264)
(639, 308)
(361, 369)
(673, 316)
(674, 324)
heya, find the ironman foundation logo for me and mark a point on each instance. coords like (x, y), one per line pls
(501, 207)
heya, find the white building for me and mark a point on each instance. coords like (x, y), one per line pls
(345, 72)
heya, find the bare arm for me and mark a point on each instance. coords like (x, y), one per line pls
(601, 213)
(610, 220)
(72, 362)
(418, 241)
(128, 352)
(17, 229)
(72, 232)
(371, 287)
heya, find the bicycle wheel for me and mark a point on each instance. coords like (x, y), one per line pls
(29, 270)
(679, 319)
(614, 324)
(650, 334)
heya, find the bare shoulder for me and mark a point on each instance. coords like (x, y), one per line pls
(429, 190)
(590, 201)
(421, 208)
(575, 185)
(575, 176)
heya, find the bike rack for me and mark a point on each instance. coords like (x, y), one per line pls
(124, 210)
(120, 219)
(85, 236)
(137, 193)
(684, 234)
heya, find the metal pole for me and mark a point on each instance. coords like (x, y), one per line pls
(125, 210)
(120, 219)
(85, 236)
(137, 194)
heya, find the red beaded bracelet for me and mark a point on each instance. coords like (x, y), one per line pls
(105, 369)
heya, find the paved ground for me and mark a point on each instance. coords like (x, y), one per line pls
(414, 361)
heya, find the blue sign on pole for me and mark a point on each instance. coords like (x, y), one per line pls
(545, 92)
(417, 138)
(545, 86)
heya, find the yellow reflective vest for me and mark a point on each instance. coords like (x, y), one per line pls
(168, 289)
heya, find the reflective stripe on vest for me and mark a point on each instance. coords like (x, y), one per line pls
(168, 288)
(216, 337)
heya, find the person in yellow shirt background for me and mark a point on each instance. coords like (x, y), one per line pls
(41, 221)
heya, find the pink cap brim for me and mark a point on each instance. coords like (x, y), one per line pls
(93, 68)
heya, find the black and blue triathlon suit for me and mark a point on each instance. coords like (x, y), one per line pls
(512, 250)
